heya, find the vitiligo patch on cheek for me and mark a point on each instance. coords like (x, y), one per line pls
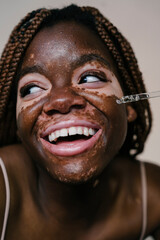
(28, 117)
(106, 105)
(96, 98)
(32, 87)
(107, 82)
(23, 104)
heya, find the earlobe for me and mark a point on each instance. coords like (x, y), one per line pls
(131, 114)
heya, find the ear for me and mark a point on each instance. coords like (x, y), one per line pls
(131, 114)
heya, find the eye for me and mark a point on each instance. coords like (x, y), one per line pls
(92, 78)
(29, 89)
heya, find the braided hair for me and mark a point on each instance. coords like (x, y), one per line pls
(119, 48)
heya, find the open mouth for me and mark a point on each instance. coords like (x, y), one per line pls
(71, 141)
(72, 134)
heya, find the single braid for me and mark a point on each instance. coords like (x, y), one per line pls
(119, 48)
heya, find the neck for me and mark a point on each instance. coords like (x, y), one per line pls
(70, 202)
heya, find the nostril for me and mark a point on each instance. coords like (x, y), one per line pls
(51, 112)
(63, 103)
(78, 106)
(56, 106)
(64, 110)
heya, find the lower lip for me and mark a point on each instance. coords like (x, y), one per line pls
(69, 149)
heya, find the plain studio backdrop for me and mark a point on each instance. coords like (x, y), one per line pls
(138, 20)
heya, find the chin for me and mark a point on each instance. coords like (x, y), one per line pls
(75, 174)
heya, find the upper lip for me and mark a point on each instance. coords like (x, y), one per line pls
(66, 124)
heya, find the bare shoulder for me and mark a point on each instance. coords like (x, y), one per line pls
(12, 153)
(153, 193)
(130, 170)
(14, 158)
(153, 181)
(16, 161)
(153, 170)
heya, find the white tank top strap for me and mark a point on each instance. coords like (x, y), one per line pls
(7, 199)
(144, 199)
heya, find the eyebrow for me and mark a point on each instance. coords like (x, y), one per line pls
(90, 57)
(77, 63)
(30, 69)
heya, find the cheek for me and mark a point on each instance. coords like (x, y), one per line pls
(27, 117)
(102, 101)
(113, 88)
(23, 105)
(116, 115)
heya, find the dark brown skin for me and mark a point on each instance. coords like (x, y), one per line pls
(52, 198)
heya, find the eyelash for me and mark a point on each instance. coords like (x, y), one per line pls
(24, 91)
(99, 76)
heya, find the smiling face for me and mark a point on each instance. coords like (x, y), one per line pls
(67, 115)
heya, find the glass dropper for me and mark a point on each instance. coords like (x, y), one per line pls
(138, 97)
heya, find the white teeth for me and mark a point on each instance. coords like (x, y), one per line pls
(57, 133)
(52, 137)
(92, 131)
(64, 132)
(79, 130)
(85, 131)
(72, 131)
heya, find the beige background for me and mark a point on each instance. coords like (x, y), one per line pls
(138, 20)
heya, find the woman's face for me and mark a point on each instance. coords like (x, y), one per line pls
(67, 115)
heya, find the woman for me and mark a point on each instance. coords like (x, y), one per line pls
(70, 150)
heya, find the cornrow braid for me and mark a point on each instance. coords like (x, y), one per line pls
(119, 48)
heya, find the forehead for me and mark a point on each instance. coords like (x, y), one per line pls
(64, 40)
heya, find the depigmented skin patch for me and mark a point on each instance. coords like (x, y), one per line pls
(32, 55)
(62, 98)
(41, 81)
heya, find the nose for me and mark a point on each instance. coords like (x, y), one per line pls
(63, 101)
